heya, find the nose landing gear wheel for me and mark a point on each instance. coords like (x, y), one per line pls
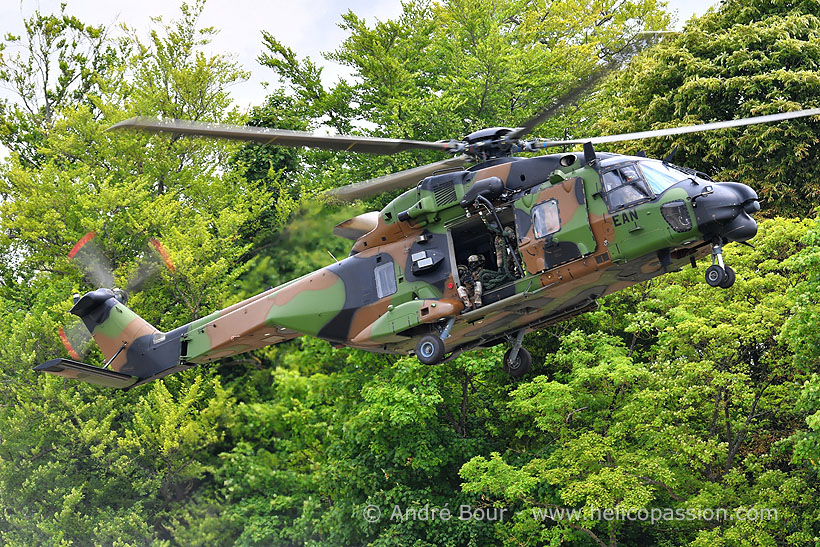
(729, 278)
(720, 277)
(430, 349)
(715, 275)
(719, 274)
(520, 366)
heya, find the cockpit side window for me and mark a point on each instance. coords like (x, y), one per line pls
(624, 186)
(545, 219)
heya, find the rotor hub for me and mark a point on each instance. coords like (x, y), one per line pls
(490, 143)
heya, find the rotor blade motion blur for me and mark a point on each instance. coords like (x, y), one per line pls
(91, 259)
(640, 42)
(394, 181)
(280, 137)
(76, 340)
(538, 144)
(150, 265)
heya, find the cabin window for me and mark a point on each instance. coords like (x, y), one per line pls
(545, 219)
(624, 186)
(385, 279)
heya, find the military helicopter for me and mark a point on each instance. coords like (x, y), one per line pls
(467, 258)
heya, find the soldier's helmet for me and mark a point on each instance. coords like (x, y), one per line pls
(476, 261)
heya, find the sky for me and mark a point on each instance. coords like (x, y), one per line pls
(307, 27)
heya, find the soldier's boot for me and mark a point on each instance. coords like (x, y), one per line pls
(462, 293)
(479, 290)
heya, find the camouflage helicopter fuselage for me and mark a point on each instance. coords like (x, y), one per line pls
(579, 236)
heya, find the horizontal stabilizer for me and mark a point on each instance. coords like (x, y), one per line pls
(87, 373)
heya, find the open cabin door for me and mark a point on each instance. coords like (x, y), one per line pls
(552, 222)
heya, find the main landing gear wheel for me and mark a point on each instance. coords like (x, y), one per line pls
(430, 349)
(520, 366)
(517, 360)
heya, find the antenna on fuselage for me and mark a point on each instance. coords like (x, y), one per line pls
(589, 154)
(671, 156)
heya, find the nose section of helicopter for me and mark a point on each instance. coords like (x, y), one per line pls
(724, 210)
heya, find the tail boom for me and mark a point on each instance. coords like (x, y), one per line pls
(138, 353)
(245, 326)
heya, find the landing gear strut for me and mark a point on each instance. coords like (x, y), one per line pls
(517, 360)
(718, 274)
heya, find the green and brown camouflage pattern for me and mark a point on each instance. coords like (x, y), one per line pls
(595, 252)
(574, 239)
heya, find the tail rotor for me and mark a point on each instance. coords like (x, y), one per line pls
(154, 258)
(97, 268)
(89, 256)
(76, 340)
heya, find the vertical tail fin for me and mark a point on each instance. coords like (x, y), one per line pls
(113, 326)
(136, 351)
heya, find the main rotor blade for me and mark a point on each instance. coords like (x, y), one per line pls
(683, 129)
(394, 181)
(644, 40)
(279, 137)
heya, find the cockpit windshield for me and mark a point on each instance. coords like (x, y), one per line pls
(661, 176)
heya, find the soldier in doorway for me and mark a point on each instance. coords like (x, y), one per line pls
(503, 255)
(506, 268)
(476, 265)
(465, 286)
(471, 285)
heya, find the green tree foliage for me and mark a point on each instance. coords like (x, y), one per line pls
(440, 71)
(129, 187)
(687, 422)
(57, 62)
(259, 161)
(337, 431)
(802, 328)
(748, 58)
(273, 167)
(175, 79)
(671, 395)
(73, 471)
(802, 333)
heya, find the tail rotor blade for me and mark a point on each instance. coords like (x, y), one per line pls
(91, 259)
(154, 259)
(68, 346)
(163, 253)
(76, 340)
(146, 270)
